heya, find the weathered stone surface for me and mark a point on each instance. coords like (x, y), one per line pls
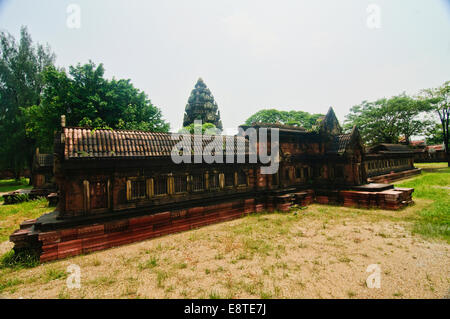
(128, 189)
(202, 106)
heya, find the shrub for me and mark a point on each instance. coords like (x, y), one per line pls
(22, 259)
(16, 198)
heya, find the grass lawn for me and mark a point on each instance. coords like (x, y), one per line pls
(434, 220)
(9, 185)
(12, 215)
(430, 165)
(319, 252)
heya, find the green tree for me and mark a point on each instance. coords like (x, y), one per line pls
(435, 135)
(439, 101)
(206, 128)
(412, 117)
(87, 99)
(386, 120)
(295, 118)
(21, 81)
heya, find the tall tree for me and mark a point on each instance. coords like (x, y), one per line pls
(435, 135)
(21, 82)
(295, 118)
(412, 117)
(202, 106)
(87, 99)
(439, 100)
(386, 120)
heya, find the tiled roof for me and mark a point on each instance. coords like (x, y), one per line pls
(417, 143)
(340, 143)
(103, 143)
(390, 148)
(436, 147)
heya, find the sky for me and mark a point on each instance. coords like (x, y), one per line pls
(289, 55)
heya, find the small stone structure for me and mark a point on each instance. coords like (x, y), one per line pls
(385, 163)
(42, 181)
(430, 154)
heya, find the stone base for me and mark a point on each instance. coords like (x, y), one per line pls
(394, 176)
(392, 199)
(56, 239)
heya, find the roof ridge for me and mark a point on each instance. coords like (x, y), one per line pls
(145, 132)
(110, 130)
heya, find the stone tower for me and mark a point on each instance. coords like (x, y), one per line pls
(330, 124)
(201, 106)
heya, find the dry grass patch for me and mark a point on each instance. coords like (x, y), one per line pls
(319, 252)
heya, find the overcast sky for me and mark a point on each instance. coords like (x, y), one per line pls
(289, 55)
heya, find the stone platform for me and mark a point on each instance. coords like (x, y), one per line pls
(54, 238)
(394, 176)
(373, 187)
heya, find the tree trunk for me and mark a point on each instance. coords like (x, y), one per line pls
(30, 160)
(446, 150)
(17, 174)
(448, 153)
(407, 139)
(445, 121)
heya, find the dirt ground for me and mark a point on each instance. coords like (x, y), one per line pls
(319, 252)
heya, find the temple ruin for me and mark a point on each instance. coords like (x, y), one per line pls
(117, 187)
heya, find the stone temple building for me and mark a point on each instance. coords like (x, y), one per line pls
(202, 106)
(117, 187)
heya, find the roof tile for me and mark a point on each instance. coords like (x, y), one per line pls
(89, 144)
(339, 144)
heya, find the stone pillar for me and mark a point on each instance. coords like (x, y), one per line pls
(86, 195)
